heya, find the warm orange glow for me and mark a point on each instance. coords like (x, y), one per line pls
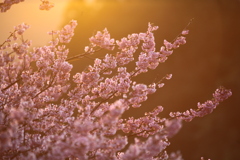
(209, 59)
(89, 2)
(40, 21)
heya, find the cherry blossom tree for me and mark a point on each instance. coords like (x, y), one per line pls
(47, 113)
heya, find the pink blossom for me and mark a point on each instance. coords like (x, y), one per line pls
(173, 126)
(168, 76)
(103, 40)
(131, 40)
(67, 32)
(175, 156)
(204, 108)
(46, 113)
(20, 29)
(46, 5)
(185, 32)
(167, 44)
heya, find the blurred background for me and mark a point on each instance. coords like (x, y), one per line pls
(210, 58)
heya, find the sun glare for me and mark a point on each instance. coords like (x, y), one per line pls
(89, 2)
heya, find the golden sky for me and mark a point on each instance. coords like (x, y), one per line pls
(40, 21)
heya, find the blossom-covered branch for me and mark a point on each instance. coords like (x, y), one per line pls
(205, 108)
(45, 113)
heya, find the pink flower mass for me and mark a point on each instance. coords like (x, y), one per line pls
(47, 113)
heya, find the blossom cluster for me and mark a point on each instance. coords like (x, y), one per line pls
(207, 107)
(46, 113)
(46, 5)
